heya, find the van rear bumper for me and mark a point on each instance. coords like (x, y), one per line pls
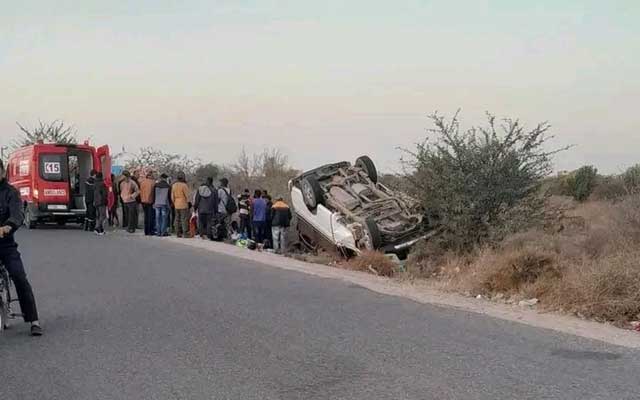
(43, 212)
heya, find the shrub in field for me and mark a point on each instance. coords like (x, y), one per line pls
(582, 182)
(609, 188)
(592, 271)
(483, 182)
(631, 179)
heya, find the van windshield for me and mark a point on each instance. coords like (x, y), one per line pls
(53, 167)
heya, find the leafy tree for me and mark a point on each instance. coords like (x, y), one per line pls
(51, 132)
(163, 162)
(481, 183)
(582, 182)
(207, 170)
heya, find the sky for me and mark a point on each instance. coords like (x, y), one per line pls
(324, 81)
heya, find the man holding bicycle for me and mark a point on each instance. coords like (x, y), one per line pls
(11, 218)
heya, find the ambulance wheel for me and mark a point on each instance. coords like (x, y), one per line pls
(28, 221)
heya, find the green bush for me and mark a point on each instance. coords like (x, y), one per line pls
(631, 179)
(582, 182)
(484, 182)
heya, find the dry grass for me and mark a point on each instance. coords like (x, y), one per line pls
(373, 262)
(590, 266)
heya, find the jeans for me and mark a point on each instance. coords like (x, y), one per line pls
(132, 216)
(182, 222)
(258, 231)
(149, 215)
(102, 216)
(279, 238)
(10, 257)
(204, 224)
(162, 220)
(245, 225)
(113, 215)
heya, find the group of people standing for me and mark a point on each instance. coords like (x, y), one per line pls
(263, 220)
(171, 206)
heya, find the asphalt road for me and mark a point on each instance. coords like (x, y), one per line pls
(129, 318)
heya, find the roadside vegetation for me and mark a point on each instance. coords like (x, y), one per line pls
(514, 234)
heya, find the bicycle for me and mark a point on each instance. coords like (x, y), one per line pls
(5, 299)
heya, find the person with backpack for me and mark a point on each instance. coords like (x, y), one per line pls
(226, 207)
(180, 200)
(100, 201)
(280, 222)
(205, 205)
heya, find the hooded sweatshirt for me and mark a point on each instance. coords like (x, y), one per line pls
(206, 200)
(162, 194)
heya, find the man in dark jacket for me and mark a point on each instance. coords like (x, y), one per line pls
(162, 205)
(268, 235)
(100, 201)
(244, 211)
(11, 218)
(89, 189)
(280, 222)
(206, 204)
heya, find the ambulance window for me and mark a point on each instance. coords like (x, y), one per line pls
(52, 167)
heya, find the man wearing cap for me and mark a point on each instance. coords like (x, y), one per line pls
(11, 218)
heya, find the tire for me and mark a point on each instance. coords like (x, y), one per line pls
(4, 316)
(369, 167)
(375, 237)
(28, 222)
(4, 300)
(312, 192)
(62, 223)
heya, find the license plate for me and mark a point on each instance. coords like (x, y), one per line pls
(55, 192)
(56, 207)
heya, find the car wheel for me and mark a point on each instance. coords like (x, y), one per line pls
(312, 192)
(62, 223)
(369, 168)
(373, 240)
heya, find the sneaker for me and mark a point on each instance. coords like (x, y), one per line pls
(97, 232)
(36, 330)
(102, 233)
